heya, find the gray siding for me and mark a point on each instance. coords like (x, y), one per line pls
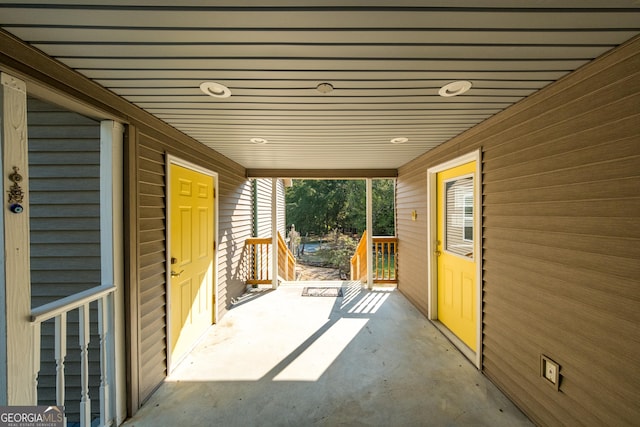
(561, 239)
(64, 198)
(235, 215)
(263, 219)
(263, 207)
(281, 208)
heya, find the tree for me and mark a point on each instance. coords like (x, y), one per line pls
(383, 201)
(320, 206)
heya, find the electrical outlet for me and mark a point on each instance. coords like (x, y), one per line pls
(550, 371)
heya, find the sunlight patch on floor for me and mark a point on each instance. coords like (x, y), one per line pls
(316, 359)
(370, 303)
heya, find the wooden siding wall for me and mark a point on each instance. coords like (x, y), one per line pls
(147, 141)
(235, 214)
(281, 208)
(263, 203)
(263, 207)
(561, 241)
(64, 196)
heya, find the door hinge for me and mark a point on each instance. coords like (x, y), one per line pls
(214, 245)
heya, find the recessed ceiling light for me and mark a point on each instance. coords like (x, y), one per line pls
(400, 140)
(216, 90)
(454, 88)
(258, 140)
(324, 87)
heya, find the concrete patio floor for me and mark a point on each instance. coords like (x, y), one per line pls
(368, 358)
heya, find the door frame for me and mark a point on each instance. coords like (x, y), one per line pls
(174, 160)
(432, 277)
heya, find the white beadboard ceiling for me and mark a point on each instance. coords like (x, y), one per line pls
(385, 59)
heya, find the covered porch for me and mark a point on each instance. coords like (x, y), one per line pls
(366, 358)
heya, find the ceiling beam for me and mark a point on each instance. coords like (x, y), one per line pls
(322, 173)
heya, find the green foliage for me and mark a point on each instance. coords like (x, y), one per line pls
(338, 250)
(383, 195)
(319, 206)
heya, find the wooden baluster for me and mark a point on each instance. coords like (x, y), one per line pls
(387, 271)
(258, 249)
(395, 260)
(267, 263)
(375, 264)
(383, 246)
(105, 368)
(254, 253)
(60, 337)
(84, 337)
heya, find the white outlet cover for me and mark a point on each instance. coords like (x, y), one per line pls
(550, 371)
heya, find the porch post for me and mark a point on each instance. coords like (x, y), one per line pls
(274, 232)
(21, 381)
(369, 233)
(112, 226)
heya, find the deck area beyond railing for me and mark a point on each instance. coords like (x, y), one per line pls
(259, 256)
(385, 260)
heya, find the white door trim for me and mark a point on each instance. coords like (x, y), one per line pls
(432, 277)
(173, 160)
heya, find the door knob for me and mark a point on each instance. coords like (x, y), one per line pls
(174, 274)
(438, 253)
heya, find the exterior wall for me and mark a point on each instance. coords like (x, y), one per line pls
(281, 206)
(234, 207)
(148, 140)
(64, 202)
(262, 216)
(561, 242)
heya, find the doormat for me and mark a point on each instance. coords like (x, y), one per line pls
(322, 292)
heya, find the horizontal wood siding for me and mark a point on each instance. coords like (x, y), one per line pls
(235, 216)
(561, 242)
(263, 207)
(64, 197)
(281, 208)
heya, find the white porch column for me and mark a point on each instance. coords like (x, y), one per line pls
(20, 352)
(369, 233)
(112, 232)
(274, 232)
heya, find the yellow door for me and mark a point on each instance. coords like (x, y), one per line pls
(191, 298)
(457, 295)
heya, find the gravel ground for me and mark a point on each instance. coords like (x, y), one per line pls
(307, 272)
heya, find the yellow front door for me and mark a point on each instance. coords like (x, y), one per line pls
(191, 298)
(457, 294)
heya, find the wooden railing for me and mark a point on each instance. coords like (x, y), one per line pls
(259, 260)
(286, 261)
(259, 255)
(359, 260)
(385, 260)
(58, 310)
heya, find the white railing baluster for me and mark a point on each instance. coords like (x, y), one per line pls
(36, 360)
(58, 310)
(60, 338)
(84, 337)
(103, 332)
